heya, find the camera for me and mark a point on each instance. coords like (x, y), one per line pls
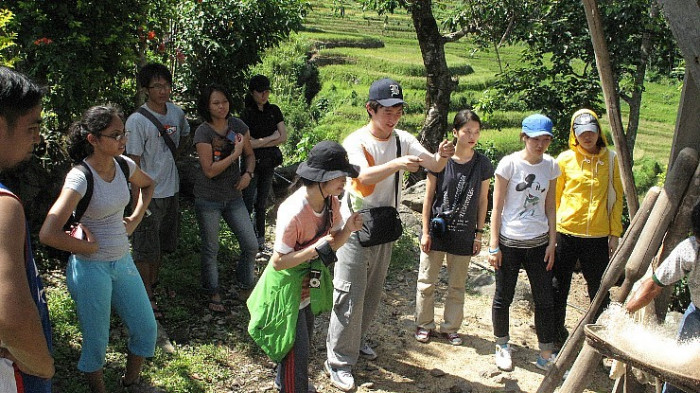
(315, 278)
(326, 253)
(438, 227)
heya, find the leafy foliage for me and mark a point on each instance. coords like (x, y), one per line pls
(88, 53)
(221, 40)
(493, 23)
(7, 38)
(77, 49)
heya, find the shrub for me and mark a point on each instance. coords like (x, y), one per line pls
(646, 173)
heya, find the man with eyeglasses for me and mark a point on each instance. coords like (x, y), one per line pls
(148, 147)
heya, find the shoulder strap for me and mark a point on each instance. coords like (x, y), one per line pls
(396, 176)
(161, 129)
(124, 167)
(85, 200)
(327, 224)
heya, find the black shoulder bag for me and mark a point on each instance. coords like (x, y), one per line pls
(381, 224)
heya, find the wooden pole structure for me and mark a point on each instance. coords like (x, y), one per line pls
(664, 211)
(635, 266)
(677, 232)
(588, 358)
(612, 274)
(612, 101)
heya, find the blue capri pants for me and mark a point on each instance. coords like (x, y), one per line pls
(97, 287)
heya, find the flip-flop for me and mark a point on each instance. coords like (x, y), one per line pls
(214, 305)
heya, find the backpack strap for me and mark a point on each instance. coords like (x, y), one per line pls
(124, 167)
(161, 129)
(85, 200)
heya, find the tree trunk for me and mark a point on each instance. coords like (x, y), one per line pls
(439, 80)
(608, 83)
(635, 102)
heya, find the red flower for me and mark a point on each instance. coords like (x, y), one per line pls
(180, 56)
(43, 41)
(151, 35)
(161, 47)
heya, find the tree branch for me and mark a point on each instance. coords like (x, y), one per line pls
(457, 35)
(506, 33)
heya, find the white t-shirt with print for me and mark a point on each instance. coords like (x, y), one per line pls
(365, 150)
(523, 216)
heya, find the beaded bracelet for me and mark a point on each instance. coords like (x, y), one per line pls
(492, 252)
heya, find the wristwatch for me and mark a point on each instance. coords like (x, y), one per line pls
(251, 174)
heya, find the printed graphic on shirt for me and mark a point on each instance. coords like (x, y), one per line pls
(533, 191)
(459, 221)
(170, 129)
(221, 148)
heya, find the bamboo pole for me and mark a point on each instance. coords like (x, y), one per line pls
(643, 251)
(612, 103)
(612, 274)
(677, 232)
(665, 209)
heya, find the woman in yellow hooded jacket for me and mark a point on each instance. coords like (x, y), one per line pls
(589, 211)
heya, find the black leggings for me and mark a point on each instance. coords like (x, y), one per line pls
(532, 259)
(593, 254)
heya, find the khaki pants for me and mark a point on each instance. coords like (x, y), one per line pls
(457, 269)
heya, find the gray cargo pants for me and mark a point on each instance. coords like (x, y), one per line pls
(358, 282)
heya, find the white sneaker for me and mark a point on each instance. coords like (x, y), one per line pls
(341, 377)
(367, 352)
(503, 358)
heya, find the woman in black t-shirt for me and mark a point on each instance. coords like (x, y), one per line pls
(454, 212)
(267, 132)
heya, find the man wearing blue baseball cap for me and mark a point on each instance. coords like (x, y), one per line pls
(383, 153)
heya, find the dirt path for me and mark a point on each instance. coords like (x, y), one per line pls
(405, 365)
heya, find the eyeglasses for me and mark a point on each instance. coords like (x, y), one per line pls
(117, 137)
(160, 87)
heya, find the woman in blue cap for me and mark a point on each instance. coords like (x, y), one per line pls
(523, 234)
(296, 285)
